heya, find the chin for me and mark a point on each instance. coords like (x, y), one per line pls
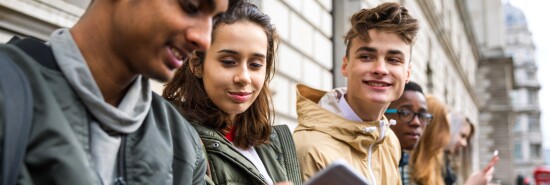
(380, 101)
(161, 77)
(235, 111)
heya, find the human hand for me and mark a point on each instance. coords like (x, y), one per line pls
(484, 176)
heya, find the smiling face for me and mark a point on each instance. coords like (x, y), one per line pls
(377, 70)
(234, 69)
(409, 132)
(153, 38)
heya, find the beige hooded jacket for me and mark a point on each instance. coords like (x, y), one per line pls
(323, 137)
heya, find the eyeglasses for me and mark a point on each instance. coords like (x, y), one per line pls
(408, 115)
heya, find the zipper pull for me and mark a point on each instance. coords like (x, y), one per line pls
(120, 181)
(368, 130)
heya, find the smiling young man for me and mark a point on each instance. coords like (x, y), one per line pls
(411, 113)
(96, 120)
(348, 123)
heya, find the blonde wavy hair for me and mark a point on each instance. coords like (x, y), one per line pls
(427, 159)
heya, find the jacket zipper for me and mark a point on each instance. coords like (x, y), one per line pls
(121, 179)
(369, 157)
(92, 119)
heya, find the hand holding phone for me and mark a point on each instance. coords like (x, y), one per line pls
(486, 174)
(492, 163)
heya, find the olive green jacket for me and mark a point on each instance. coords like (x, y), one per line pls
(229, 166)
(164, 150)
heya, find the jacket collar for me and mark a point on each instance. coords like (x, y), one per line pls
(313, 117)
(216, 143)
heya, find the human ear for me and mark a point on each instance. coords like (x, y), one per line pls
(344, 66)
(408, 73)
(194, 66)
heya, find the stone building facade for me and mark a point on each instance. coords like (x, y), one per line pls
(496, 82)
(526, 131)
(450, 58)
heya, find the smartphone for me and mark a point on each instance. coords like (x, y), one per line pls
(338, 172)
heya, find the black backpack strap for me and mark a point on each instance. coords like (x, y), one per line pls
(36, 49)
(289, 153)
(18, 113)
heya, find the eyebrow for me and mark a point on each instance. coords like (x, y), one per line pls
(233, 52)
(367, 49)
(374, 50)
(210, 5)
(395, 52)
(410, 106)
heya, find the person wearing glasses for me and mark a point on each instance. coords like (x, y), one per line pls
(412, 116)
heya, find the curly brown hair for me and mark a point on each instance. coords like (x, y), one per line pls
(186, 91)
(387, 17)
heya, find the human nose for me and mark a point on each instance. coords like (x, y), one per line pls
(415, 120)
(380, 68)
(200, 35)
(243, 76)
(464, 143)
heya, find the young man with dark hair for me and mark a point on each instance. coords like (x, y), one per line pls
(349, 123)
(96, 120)
(411, 113)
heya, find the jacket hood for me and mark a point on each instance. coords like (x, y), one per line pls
(128, 116)
(314, 117)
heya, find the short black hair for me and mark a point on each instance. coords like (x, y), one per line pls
(412, 86)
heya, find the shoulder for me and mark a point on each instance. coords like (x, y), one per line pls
(181, 130)
(312, 140)
(165, 112)
(316, 146)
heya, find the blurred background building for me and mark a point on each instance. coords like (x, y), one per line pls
(527, 137)
(466, 54)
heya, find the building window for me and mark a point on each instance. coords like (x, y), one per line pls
(517, 125)
(534, 124)
(518, 154)
(535, 151)
(530, 74)
(533, 97)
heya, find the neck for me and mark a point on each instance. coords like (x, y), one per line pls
(367, 111)
(109, 71)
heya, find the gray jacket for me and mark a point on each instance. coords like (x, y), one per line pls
(164, 150)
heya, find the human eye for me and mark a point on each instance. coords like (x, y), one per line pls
(394, 60)
(256, 65)
(228, 61)
(365, 57)
(425, 115)
(405, 112)
(190, 7)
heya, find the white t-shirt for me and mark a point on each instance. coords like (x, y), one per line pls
(252, 155)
